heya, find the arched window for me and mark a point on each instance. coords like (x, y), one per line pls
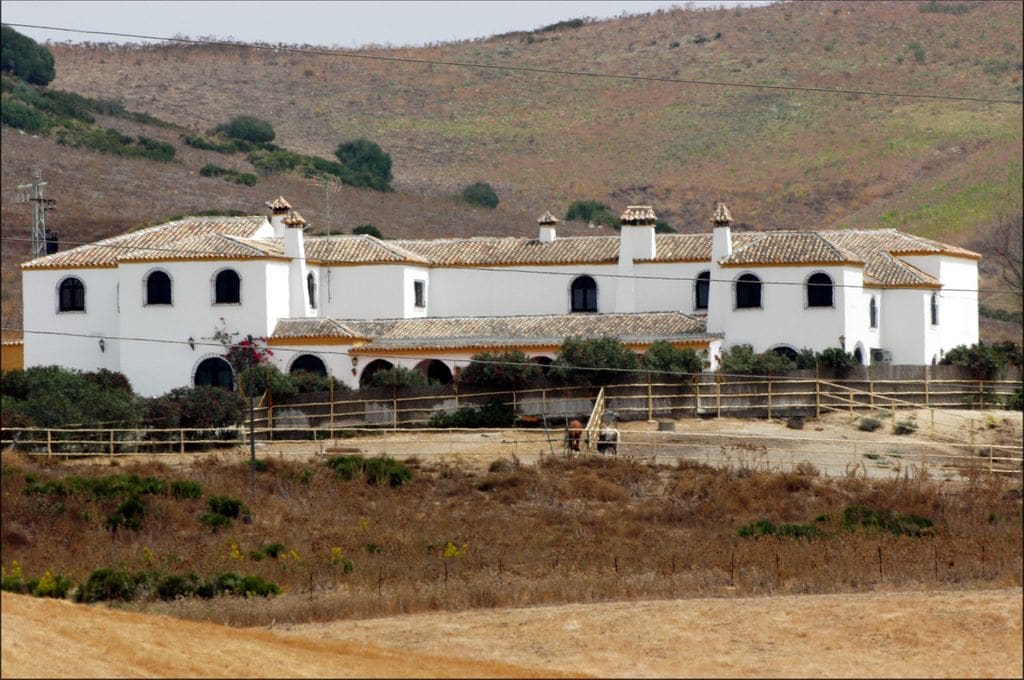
(873, 312)
(310, 364)
(786, 351)
(311, 288)
(214, 372)
(158, 288)
(372, 368)
(227, 287)
(819, 290)
(435, 369)
(583, 296)
(935, 309)
(702, 288)
(71, 295)
(748, 292)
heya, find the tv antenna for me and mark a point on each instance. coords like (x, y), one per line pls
(33, 193)
(329, 187)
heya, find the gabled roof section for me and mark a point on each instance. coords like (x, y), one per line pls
(508, 250)
(291, 329)
(526, 331)
(895, 242)
(150, 243)
(361, 249)
(208, 247)
(787, 247)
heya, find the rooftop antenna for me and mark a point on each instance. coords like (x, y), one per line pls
(33, 193)
(329, 187)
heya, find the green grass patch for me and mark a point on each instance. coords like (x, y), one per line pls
(763, 527)
(378, 470)
(886, 521)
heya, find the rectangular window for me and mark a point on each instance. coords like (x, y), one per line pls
(419, 289)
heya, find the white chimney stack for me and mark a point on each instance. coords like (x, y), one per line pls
(295, 251)
(547, 223)
(279, 209)
(719, 291)
(636, 242)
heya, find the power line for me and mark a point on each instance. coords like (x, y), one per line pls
(514, 270)
(533, 69)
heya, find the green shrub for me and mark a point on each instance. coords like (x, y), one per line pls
(369, 230)
(227, 507)
(50, 585)
(185, 490)
(399, 376)
(55, 397)
(206, 407)
(128, 515)
(207, 144)
(214, 520)
(565, 25)
(260, 378)
(108, 584)
(918, 51)
(17, 115)
(869, 424)
(944, 7)
(370, 165)
(1015, 401)
(587, 361)
(377, 470)
(904, 427)
(175, 586)
(863, 517)
(100, 488)
(273, 550)
(25, 58)
(663, 227)
(763, 527)
(500, 369)
(482, 194)
(107, 140)
(663, 357)
(246, 586)
(742, 360)
(248, 128)
(592, 211)
(275, 162)
(494, 414)
(836, 358)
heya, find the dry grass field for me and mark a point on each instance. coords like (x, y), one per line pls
(943, 169)
(881, 634)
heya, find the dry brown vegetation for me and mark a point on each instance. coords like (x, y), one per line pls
(942, 169)
(559, 531)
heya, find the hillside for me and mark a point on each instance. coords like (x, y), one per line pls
(943, 169)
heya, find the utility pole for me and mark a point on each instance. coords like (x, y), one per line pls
(33, 193)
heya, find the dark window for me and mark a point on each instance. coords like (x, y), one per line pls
(748, 292)
(72, 295)
(873, 313)
(584, 294)
(787, 352)
(214, 372)
(309, 364)
(819, 290)
(703, 288)
(158, 289)
(419, 290)
(228, 287)
(858, 357)
(311, 287)
(935, 309)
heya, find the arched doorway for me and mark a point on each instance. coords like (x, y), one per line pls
(785, 351)
(544, 363)
(374, 366)
(214, 372)
(436, 370)
(310, 364)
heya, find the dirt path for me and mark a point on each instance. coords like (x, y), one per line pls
(895, 634)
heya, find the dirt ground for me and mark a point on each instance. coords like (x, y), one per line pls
(882, 634)
(832, 443)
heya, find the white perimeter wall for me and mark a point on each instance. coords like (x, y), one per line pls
(370, 292)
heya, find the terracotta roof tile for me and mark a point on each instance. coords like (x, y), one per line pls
(506, 331)
(154, 241)
(547, 218)
(279, 205)
(209, 246)
(483, 251)
(361, 249)
(721, 216)
(639, 215)
(786, 247)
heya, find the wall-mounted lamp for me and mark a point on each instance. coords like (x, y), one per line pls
(191, 343)
(842, 342)
(355, 362)
(103, 345)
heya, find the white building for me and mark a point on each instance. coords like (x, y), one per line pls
(149, 303)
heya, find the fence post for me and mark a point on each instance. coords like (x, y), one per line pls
(981, 393)
(769, 396)
(49, 443)
(650, 398)
(871, 392)
(544, 405)
(927, 400)
(181, 440)
(933, 421)
(330, 428)
(455, 386)
(817, 391)
(111, 442)
(973, 451)
(718, 395)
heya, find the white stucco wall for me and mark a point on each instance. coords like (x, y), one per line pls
(367, 292)
(903, 319)
(784, 317)
(79, 348)
(668, 287)
(522, 291)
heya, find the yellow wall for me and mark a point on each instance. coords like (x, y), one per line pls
(12, 355)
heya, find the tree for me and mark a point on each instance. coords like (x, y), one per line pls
(480, 193)
(663, 357)
(369, 230)
(586, 361)
(249, 129)
(1004, 243)
(592, 211)
(25, 58)
(500, 369)
(366, 159)
(742, 360)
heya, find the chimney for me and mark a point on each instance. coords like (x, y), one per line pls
(279, 209)
(721, 236)
(638, 231)
(547, 223)
(295, 250)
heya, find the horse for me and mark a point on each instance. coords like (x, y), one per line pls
(573, 433)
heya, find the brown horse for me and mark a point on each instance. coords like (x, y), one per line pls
(573, 434)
